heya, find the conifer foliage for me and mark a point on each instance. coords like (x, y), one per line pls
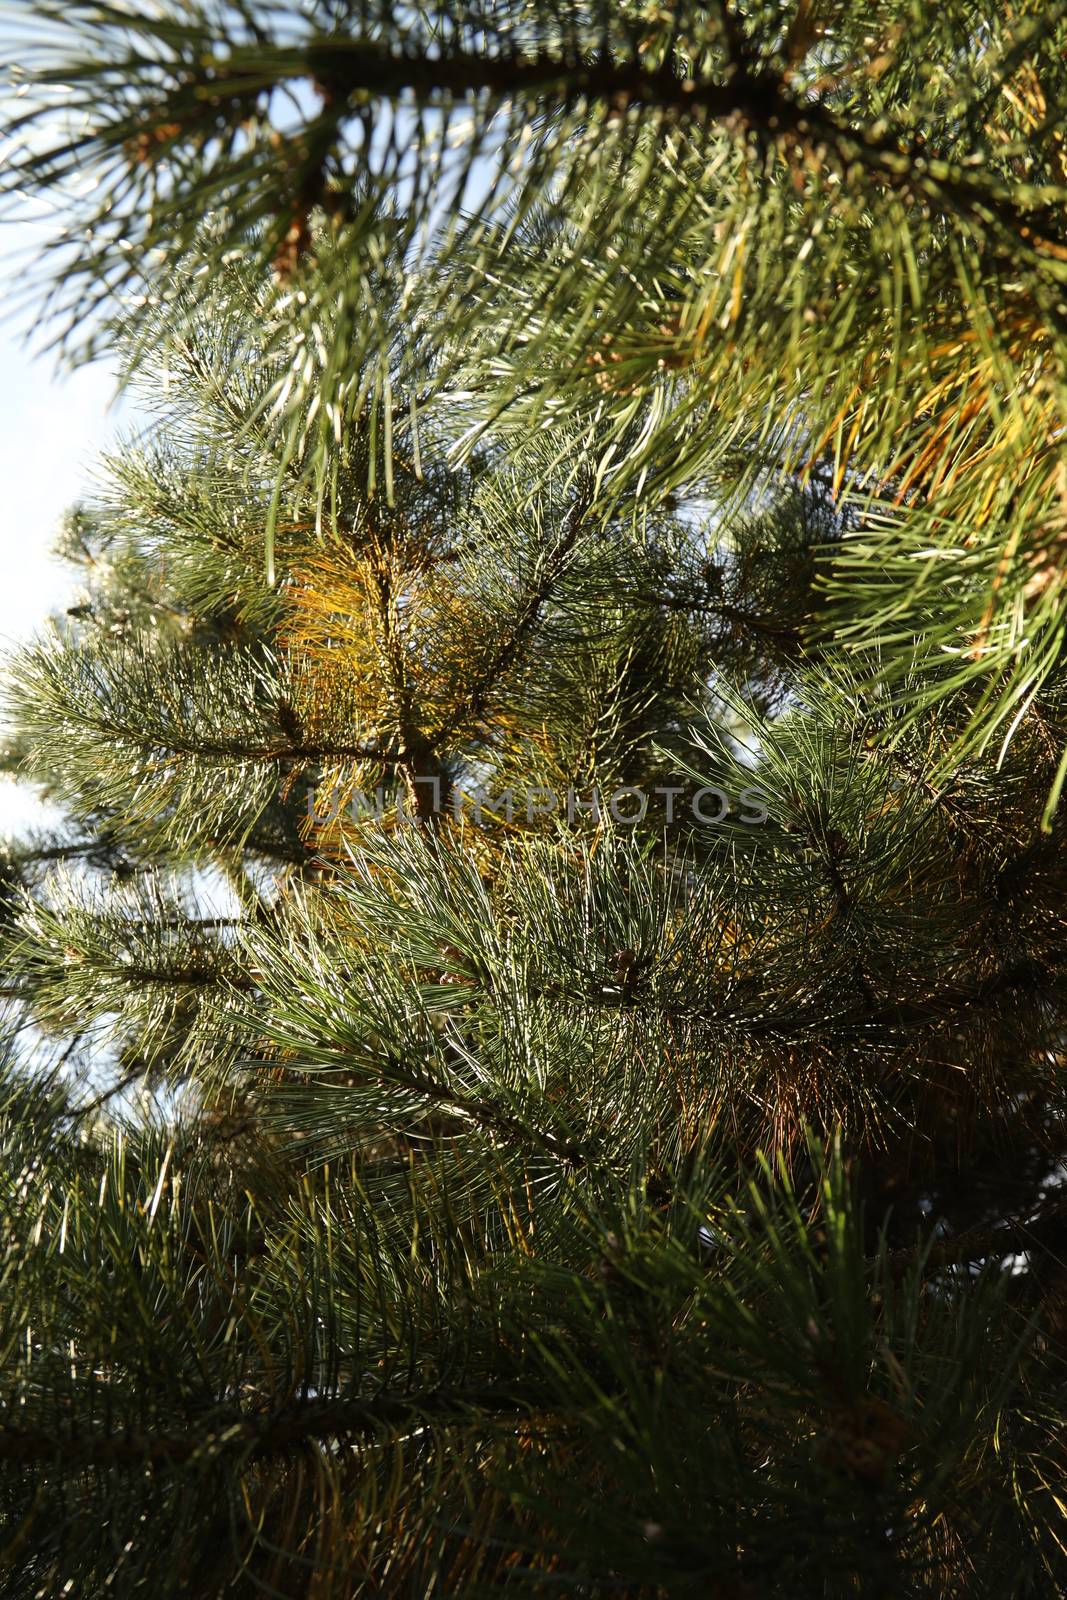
(533, 1056)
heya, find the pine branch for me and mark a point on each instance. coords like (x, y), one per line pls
(254, 1438)
(347, 68)
(1044, 1233)
(767, 627)
(550, 568)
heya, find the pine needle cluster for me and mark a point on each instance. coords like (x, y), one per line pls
(532, 1061)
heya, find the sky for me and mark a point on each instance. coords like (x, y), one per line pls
(51, 428)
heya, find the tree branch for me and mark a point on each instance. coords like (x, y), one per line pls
(758, 99)
(238, 1434)
(1046, 1232)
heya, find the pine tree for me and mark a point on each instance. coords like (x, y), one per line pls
(722, 241)
(534, 833)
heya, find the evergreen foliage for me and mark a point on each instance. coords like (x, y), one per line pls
(533, 1058)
